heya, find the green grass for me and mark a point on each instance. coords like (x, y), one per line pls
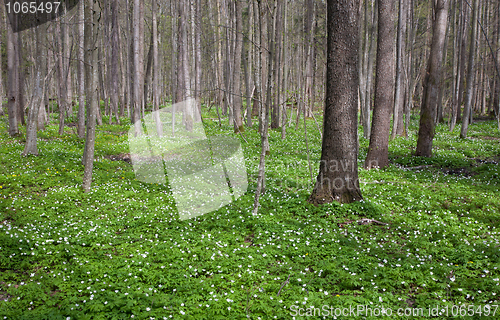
(121, 251)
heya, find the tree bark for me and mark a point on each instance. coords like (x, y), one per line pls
(378, 150)
(81, 70)
(12, 83)
(31, 128)
(338, 173)
(115, 55)
(432, 80)
(237, 101)
(397, 124)
(138, 44)
(471, 71)
(91, 79)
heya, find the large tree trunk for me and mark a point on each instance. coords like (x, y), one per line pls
(470, 73)
(12, 82)
(91, 79)
(432, 80)
(31, 128)
(378, 151)
(338, 173)
(81, 70)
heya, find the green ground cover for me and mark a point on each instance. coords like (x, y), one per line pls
(121, 251)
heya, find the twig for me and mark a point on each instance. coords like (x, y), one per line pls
(369, 221)
(284, 284)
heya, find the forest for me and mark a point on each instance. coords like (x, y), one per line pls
(249, 159)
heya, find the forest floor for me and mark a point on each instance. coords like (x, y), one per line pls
(121, 250)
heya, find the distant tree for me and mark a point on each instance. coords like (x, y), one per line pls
(378, 150)
(432, 80)
(338, 172)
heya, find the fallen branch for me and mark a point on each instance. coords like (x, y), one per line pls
(370, 221)
(284, 284)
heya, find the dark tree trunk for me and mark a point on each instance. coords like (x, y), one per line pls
(338, 173)
(432, 80)
(378, 151)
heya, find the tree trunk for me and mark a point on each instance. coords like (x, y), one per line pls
(264, 114)
(138, 45)
(369, 73)
(432, 80)
(397, 124)
(378, 151)
(115, 54)
(12, 82)
(237, 101)
(471, 71)
(31, 128)
(3, 26)
(81, 70)
(338, 173)
(156, 71)
(91, 79)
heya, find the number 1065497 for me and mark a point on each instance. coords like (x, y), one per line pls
(32, 7)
